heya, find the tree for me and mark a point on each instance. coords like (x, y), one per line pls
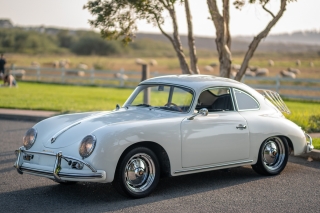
(223, 38)
(117, 19)
(256, 40)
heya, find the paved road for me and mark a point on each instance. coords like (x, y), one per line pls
(297, 189)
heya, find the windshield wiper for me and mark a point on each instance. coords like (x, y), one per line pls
(144, 105)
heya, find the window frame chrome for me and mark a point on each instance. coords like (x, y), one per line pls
(231, 94)
(130, 99)
(236, 101)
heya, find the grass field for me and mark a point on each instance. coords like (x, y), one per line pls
(171, 64)
(68, 98)
(316, 143)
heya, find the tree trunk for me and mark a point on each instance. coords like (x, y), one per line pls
(191, 42)
(177, 43)
(223, 40)
(256, 40)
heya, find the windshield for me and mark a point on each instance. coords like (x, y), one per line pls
(166, 97)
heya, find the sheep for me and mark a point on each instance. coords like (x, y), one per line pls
(55, 64)
(253, 68)
(82, 66)
(311, 64)
(213, 64)
(298, 63)
(287, 74)
(64, 64)
(236, 67)
(153, 62)
(35, 64)
(139, 61)
(271, 63)
(295, 71)
(208, 69)
(121, 76)
(262, 72)
(75, 73)
(250, 73)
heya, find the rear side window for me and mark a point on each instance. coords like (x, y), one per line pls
(245, 101)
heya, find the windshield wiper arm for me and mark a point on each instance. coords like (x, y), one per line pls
(144, 105)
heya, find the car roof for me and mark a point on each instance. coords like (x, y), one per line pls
(197, 82)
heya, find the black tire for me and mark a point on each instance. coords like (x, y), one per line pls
(273, 156)
(137, 173)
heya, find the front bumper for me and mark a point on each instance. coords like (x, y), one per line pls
(59, 172)
(309, 147)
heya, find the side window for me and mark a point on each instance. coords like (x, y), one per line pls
(245, 101)
(216, 99)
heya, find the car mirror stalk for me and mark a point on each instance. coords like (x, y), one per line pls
(203, 112)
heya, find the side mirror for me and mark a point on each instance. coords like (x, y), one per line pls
(203, 112)
(117, 107)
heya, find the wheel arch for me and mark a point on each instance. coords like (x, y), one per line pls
(159, 151)
(290, 144)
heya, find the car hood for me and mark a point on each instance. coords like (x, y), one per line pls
(65, 130)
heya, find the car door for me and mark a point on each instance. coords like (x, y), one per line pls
(221, 136)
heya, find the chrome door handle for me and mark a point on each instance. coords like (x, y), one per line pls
(241, 126)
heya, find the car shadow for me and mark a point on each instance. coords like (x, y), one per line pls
(97, 197)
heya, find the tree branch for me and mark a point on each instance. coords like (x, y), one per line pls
(255, 42)
(264, 7)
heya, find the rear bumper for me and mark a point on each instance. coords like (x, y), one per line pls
(58, 172)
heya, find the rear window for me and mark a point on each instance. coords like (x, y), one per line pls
(245, 101)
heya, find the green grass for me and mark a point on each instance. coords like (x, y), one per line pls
(68, 98)
(61, 98)
(302, 114)
(316, 143)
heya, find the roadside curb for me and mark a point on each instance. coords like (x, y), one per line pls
(314, 154)
(26, 115)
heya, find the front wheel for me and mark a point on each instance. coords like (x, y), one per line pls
(138, 173)
(273, 156)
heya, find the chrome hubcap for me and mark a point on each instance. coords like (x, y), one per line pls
(273, 153)
(139, 172)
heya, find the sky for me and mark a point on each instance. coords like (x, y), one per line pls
(69, 14)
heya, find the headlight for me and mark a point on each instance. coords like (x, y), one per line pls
(87, 146)
(29, 138)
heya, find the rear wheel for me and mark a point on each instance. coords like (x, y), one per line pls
(273, 156)
(138, 173)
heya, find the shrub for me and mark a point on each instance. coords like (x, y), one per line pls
(314, 123)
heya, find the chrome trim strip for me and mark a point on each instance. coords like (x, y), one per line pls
(55, 136)
(310, 147)
(61, 174)
(192, 105)
(213, 166)
(243, 110)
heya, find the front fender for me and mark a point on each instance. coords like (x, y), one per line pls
(113, 140)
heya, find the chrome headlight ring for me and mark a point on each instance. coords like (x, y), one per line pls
(87, 146)
(29, 138)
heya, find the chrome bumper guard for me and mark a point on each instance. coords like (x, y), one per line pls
(56, 174)
(310, 147)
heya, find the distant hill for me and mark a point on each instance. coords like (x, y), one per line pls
(298, 42)
(282, 43)
(308, 37)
